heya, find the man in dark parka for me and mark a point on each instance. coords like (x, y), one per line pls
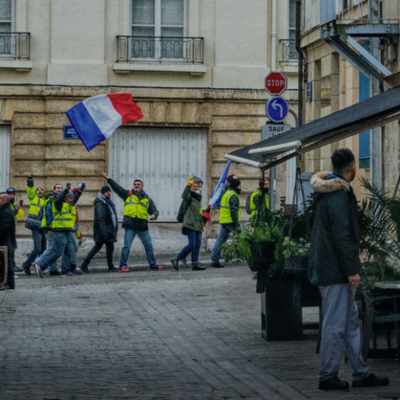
(105, 228)
(334, 266)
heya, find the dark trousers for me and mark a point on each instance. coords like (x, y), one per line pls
(193, 246)
(10, 272)
(97, 247)
(39, 246)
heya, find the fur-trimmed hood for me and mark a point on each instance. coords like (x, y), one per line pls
(320, 185)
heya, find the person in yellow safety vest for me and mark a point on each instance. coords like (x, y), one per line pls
(37, 200)
(256, 198)
(18, 214)
(63, 222)
(138, 210)
(229, 218)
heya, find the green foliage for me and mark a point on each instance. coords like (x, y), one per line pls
(293, 248)
(379, 223)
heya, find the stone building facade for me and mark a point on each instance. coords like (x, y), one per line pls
(201, 97)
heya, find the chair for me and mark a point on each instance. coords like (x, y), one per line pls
(378, 311)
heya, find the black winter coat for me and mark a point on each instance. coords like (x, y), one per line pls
(7, 227)
(334, 250)
(129, 222)
(103, 228)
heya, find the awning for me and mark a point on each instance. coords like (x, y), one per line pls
(376, 111)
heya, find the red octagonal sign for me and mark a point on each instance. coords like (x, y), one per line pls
(275, 83)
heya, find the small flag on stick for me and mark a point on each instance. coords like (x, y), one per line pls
(96, 118)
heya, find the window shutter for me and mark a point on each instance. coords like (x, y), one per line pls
(4, 157)
(164, 159)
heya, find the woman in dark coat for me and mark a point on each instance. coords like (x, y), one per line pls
(105, 229)
(193, 225)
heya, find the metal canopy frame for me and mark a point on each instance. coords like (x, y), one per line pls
(371, 113)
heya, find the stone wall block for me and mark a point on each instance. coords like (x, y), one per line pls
(159, 112)
(29, 152)
(29, 136)
(204, 113)
(26, 106)
(174, 113)
(56, 121)
(239, 138)
(238, 124)
(218, 152)
(60, 106)
(20, 183)
(21, 168)
(73, 170)
(146, 110)
(30, 121)
(236, 109)
(66, 151)
(240, 170)
(189, 113)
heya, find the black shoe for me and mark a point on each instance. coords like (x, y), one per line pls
(198, 267)
(333, 384)
(84, 269)
(27, 269)
(112, 269)
(371, 381)
(217, 265)
(183, 260)
(18, 269)
(201, 264)
(175, 263)
(56, 272)
(75, 270)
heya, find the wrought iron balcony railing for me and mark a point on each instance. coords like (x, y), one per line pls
(189, 50)
(15, 45)
(289, 52)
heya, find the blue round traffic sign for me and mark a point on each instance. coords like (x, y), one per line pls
(277, 109)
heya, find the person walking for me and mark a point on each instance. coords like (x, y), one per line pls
(229, 218)
(7, 237)
(37, 200)
(334, 266)
(193, 225)
(18, 214)
(256, 196)
(62, 223)
(138, 209)
(105, 229)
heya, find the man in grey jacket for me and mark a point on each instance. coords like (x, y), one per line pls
(334, 266)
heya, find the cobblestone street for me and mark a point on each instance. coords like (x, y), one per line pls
(155, 335)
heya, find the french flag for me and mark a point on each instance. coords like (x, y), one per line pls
(96, 118)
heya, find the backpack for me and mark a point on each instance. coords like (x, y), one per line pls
(248, 209)
(181, 212)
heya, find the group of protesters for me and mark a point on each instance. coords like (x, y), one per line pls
(54, 224)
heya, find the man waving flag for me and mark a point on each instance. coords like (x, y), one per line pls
(96, 118)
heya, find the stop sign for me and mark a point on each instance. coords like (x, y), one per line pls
(275, 83)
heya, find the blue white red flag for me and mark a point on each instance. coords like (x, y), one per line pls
(219, 189)
(96, 118)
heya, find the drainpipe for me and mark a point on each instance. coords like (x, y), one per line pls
(274, 35)
(300, 63)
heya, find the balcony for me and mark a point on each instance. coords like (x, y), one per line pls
(15, 45)
(289, 52)
(160, 54)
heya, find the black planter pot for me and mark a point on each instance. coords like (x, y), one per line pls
(262, 257)
(281, 314)
(296, 265)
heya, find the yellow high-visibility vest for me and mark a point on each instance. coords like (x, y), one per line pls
(135, 208)
(64, 219)
(225, 209)
(253, 205)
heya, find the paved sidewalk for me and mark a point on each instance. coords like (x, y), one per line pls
(156, 335)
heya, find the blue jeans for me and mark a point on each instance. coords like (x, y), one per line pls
(61, 244)
(193, 246)
(75, 248)
(340, 326)
(144, 236)
(221, 239)
(49, 250)
(39, 246)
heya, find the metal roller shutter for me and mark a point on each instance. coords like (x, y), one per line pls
(163, 159)
(4, 157)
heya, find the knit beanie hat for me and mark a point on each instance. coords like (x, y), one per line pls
(69, 194)
(197, 179)
(105, 189)
(234, 183)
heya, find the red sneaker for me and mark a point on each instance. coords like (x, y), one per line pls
(158, 268)
(125, 269)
